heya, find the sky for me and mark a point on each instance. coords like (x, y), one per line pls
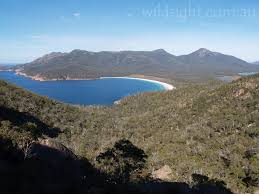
(32, 28)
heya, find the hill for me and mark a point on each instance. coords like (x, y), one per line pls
(159, 63)
(5, 67)
(208, 62)
(207, 129)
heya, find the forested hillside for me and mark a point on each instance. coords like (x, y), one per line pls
(198, 131)
(201, 64)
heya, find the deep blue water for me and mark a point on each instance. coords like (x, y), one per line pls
(84, 92)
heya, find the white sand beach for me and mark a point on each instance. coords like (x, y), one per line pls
(165, 85)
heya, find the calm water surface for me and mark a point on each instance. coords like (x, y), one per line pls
(84, 92)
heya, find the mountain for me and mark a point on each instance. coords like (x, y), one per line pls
(208, 62)
(5, 67)
(207, 133)
(159, 63)
(84, 64)
(49, 57)
(256, 63)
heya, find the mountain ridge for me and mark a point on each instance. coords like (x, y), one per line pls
(159, 63)
(203, 52)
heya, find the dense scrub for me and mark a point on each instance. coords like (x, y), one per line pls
(206, 129)
(53, 169)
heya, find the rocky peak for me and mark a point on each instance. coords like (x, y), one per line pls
(160, 51)
(203, 52)
(48, 57)
(79, 51)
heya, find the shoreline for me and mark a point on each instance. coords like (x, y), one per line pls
(8, 70)
(165, 85)
(38, 77)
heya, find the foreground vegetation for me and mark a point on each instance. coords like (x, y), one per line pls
(208, 130)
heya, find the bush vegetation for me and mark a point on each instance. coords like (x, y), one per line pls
(209, 129)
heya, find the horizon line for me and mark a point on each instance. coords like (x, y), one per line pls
(117, 51)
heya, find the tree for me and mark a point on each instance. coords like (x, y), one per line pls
(121, 161)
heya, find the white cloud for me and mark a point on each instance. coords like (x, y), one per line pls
(70, 18)
(38, 37)
(77, 14)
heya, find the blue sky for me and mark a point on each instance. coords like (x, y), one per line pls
(31, 28)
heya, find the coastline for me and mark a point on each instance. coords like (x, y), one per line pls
(165, 85)
(38, 77)
(8, 70)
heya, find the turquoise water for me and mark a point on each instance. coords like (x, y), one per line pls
(231, 78)
(84, 92)
(226, 78)
(248, 73)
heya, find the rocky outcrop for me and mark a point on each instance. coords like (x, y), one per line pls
(242, 93)
(163, 173)
(48, 149)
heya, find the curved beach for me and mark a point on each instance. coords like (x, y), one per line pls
(165, 85)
